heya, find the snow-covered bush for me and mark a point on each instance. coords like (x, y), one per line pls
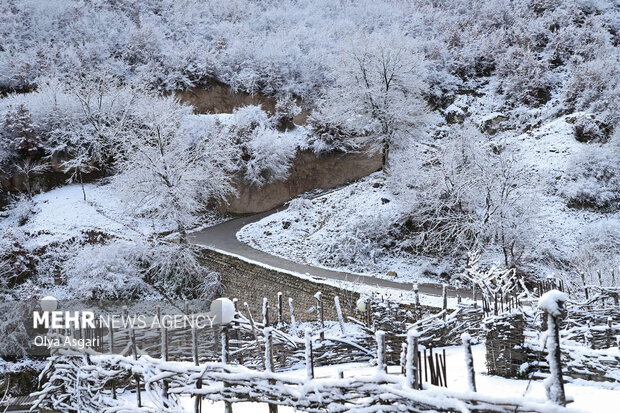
(593, 178)
(122, 269)
(16, 261)
(525, 75)
(270, 154)
(15, 339)
(286, 110)
(21, 210)
(588, 130)
(593, 86)
(175, 270)
(329, 134)
(248, 118)
(109, 271)
(360, 242)
(265, 154)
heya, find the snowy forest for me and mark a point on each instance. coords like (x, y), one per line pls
(492, 125)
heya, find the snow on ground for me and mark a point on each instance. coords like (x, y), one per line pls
(62, 214)
(547, 153)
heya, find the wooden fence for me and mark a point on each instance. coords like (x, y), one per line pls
(84, 383)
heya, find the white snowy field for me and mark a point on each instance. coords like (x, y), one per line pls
(586, 396)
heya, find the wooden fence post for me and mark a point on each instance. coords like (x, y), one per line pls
(381, 366)
(196, 358)
(552, 303)
(292, 311)
(111, 345)
(164, 357)
(267, 331)
(111, 338)
(279, 304)
(368, 313)
(416, 300)
(308, 354)
(319, 314)
(265, 312)
(444, 295)
(411, 366)
(425, 367)
(134, 352)
(195, 345)
(469, 361)
(339, 312)
(403, 358)
(224, 341)
(225, 357)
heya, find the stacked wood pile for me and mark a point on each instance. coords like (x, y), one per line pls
(504, 344)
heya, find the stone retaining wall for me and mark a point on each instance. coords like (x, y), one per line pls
(250, 282)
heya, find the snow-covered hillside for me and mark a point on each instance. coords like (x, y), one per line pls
(355, 228)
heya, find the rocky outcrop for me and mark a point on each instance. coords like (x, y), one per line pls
(220, 98)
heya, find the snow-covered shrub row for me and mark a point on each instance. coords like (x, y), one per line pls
(76, 123)
(261, 46)
(115, 269)
(91, 123)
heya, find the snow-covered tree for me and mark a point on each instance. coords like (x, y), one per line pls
(468, 195)
(174, 164)
(89, 140)
(378, 90)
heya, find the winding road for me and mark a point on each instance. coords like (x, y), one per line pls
(223, 237)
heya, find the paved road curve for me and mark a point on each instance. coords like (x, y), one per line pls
(223, 237)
